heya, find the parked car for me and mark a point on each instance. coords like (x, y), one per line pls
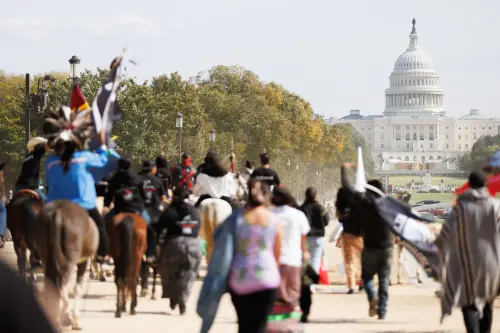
(427, 202)
(434, 190)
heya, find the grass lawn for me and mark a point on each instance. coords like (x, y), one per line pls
(436, 180)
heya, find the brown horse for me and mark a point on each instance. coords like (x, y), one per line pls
(128, 242)
(22, 212)
(66, 238)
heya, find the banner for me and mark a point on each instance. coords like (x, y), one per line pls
(414, 234)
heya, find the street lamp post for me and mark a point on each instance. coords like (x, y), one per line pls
(178, 124)
(212, 139)
(36, 101)
(73, 67)
(288, 172)
(297, 180)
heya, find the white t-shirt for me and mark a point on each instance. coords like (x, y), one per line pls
(216, 187)
(295, 225)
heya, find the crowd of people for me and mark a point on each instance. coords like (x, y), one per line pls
(269, 248)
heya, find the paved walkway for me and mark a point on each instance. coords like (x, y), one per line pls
(412, 308)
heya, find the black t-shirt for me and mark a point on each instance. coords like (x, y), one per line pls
(180, 219)
(268, 175)
(125, 189)
(165, 176)
(30, 170)
(153, 190)
(20, 311)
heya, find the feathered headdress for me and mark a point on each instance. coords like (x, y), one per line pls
(63, 126)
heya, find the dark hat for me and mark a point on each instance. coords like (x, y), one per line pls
(185, 155)
(148, 165)
(477, 180)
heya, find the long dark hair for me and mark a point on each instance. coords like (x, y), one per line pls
(283, 197)
(213, 166)
(258, 193)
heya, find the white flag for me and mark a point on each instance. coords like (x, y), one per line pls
(360, 173)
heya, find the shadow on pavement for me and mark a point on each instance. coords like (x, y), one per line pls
(349, 321)
(161, 313)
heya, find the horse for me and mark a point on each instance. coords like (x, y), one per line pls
(22, 212)
(146, 267)
(66, 237)
(99, 271)
(128, 243)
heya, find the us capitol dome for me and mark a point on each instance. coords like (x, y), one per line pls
(413, 133)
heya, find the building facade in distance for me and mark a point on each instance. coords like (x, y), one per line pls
(413, 134)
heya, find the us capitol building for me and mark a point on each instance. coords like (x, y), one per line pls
(413, 133)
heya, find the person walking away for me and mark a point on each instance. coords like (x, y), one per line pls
(3, 210)
(470, 247)
(20, 309)
(402, 197)
(376, 257)
(309, 277)
(286, 310)
(29, 178)
(154, 195)
(126, 192)
(351, 240)
(254, 276)
(214, 181)
(265, 173)
(318, 219)
(183, 175)
(248, 170)
(164, 174)
(181, 252)
(68, 170)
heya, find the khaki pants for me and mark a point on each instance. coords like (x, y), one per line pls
(352, 246)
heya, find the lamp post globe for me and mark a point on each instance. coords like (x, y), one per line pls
(74, 61)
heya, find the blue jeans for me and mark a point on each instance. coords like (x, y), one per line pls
(39, 191)
(377, 261)
(315, 245)
(3, 219)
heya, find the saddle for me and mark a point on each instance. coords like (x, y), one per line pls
(33, 193)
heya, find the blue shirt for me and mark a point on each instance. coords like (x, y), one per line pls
(77, 184)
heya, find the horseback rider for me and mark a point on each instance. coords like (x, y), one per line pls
(183, 175)
(68, 170)
(249, 170)
(214, 181)
(265, 173)
(125, 189)
(163, 173)
(29, 178)
(3, 211)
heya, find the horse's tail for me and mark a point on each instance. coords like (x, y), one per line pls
(126, 237)
(27, 216)
(56, 258)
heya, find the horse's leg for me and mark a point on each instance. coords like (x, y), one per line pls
(133, 293)
(92, 269)
(144, 279)
(153, 291)
(419, 278)
(75, 314)
(21, 251)
(118, 312)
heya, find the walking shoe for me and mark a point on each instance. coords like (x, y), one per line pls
(151, 259)
(304, 319)
(361, 288)
(182, 309)
(372, 312)
(350, 291)
(381, 316)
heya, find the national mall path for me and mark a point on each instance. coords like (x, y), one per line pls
(412, 308)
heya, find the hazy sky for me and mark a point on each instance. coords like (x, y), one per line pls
(336, 54)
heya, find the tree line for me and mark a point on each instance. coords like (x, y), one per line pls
(480, 153)
(248, 115)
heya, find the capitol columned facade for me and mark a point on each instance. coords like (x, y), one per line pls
(414, 133)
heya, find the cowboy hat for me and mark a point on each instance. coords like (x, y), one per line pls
(35, 142)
